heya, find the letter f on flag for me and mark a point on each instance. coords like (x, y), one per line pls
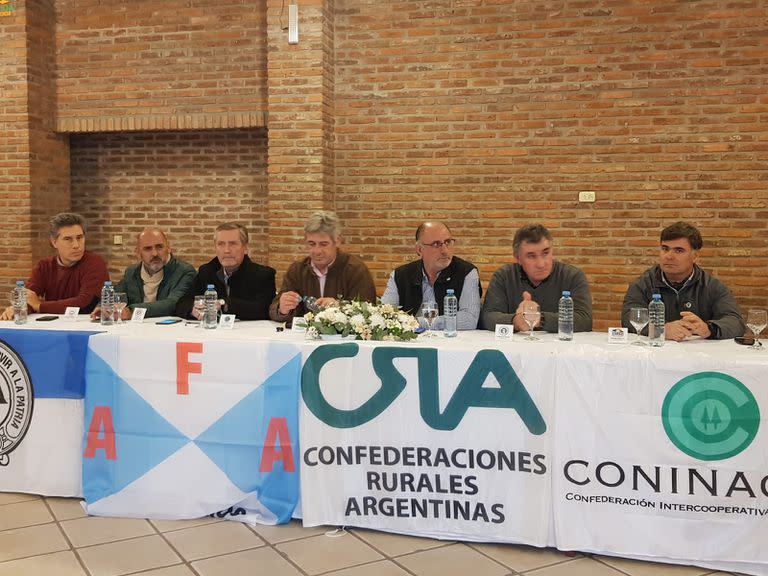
(184, 367)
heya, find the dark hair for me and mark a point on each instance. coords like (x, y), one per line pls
(683, 230)
(63, 220)
(533, 233)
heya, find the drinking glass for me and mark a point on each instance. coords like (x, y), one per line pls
(638, 317)
(429, 312)
(531, 315)
(199, 305)
(757, 321)
(121, 301)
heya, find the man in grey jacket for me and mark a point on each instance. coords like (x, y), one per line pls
(695, 303)
(536, 277)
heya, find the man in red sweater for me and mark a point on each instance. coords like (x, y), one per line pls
(73, 277)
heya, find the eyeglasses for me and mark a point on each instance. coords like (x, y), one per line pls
(448, 243)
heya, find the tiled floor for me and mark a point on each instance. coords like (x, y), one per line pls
(52, 537)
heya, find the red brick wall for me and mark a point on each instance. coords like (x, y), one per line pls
(185, 182)
(488, 115)
(15, 247)
(173, 57)
(492, 115)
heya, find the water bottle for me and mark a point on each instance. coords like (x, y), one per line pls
(450, 310)
(107, 304)
(656, 321)
(565, 317)
(20, 303)
(209, 312)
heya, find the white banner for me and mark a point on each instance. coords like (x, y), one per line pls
(449, 443)
(661, 455)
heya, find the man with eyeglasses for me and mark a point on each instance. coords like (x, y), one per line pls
(324, 275)
(695, 303)
(429, 278)
(535, 279)
(72, 278)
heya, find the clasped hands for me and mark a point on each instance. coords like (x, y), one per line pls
(688, 325)
(518, 321)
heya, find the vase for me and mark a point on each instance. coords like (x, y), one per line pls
(330, 337)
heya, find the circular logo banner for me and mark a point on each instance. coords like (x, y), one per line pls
(710, 416)
(15, 401)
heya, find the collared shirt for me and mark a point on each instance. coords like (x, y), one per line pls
(321, 276)
(469, 303)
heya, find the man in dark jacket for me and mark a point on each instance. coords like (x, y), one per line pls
(428, 278)
(695, 303)
(245, 287)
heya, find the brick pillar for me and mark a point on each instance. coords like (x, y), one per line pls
(15, 250)
(49, 152)
(34, 162)
(300, 123)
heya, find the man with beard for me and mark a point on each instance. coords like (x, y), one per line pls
(157, 281)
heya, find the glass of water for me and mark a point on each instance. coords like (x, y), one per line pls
(638, 317)
(121, 301)
(757, 321)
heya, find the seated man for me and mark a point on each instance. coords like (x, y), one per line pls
(73, 277)
(536, 277)
(245, 287)
(157, 281)
(428, 279)
(695, 303)
(325, 274)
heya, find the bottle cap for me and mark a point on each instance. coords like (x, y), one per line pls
(566, 292)
(449, 291)
(108, 283)
(657, 296)
(210, 287)
(19, 282)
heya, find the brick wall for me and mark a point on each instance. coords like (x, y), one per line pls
(486, 114)
(171, 58)
(185, 182)
(491, 115)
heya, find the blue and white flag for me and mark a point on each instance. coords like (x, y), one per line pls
(41, 410)
(186, 429)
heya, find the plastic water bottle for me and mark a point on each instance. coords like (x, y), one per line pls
(107, 304)
(209, 312)
(450, 310)
(20, 303)
(656, 321)
(565, 317)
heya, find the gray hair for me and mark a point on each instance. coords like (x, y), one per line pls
(64, 219)
(233, 226)
(323, 221)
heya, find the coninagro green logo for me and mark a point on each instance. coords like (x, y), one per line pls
(710, 416)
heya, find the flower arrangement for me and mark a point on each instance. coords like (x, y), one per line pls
(363, 321)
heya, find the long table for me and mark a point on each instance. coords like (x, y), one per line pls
(617, 449)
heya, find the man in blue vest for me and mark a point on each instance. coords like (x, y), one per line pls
(428, 278)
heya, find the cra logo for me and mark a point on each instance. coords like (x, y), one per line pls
(710, 416)
(16, 401)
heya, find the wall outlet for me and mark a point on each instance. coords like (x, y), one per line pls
(117, 240)
(586, 196)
